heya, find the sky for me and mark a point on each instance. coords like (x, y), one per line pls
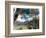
(26, 11)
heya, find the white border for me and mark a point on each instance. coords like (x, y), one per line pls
(26, 31)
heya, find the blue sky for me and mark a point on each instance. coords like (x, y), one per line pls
(26, 11)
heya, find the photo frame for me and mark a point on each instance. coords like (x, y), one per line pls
(12, 7)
